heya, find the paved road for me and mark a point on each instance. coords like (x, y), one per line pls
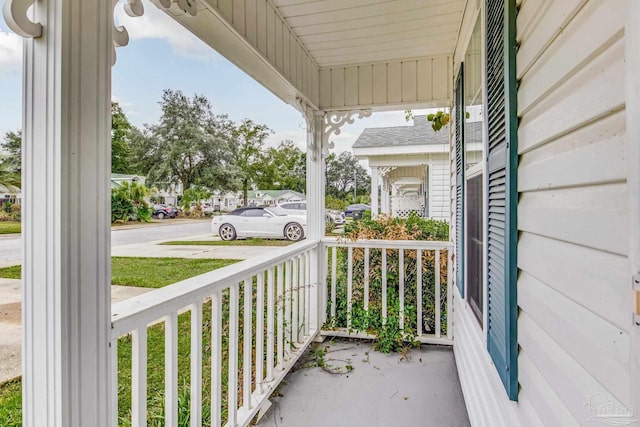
(11, 246)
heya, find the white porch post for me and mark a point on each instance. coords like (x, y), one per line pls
(66, 167)
(316, 213)
(374, 191)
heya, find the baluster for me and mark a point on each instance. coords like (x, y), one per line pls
(384, 285)
(349, 285)
(419, 292)
(216, 359)
(366, 278)
(295, 288)
(270, 324)
(307, 288)
(280, 303)
(334, 268)
(287, 310)
(171, 369)
(259, 331)
(247, 339)
(401, 287)
(438, 306)
(139, 378)
(232, 386)
(196, 365)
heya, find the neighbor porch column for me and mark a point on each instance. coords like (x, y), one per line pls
(374, 191)
(66, 211)
(384, 196)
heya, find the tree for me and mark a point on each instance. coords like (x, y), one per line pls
(120, 136)
(190, 145)
(251, 138)
(12, 147)
(9, 179)
(283, 168)
(195, 195)
(344, 172)
(121, 131)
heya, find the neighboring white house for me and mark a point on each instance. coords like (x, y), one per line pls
(225, 200)
(117, 179)
(273, 197)
(410, 164)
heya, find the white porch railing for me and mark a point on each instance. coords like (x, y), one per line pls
(248, 323)
(369, 279)
(272, 297)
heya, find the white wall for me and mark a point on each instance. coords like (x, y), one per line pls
(573, 283)
(574, 277)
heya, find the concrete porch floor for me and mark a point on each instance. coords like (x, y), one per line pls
(385, 390)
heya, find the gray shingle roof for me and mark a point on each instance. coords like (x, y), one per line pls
(420, 133)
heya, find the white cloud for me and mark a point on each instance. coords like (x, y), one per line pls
(155, 24)
(299, 137)
(10, 53)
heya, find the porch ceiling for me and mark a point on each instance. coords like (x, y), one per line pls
(337, 54)
(342, 32)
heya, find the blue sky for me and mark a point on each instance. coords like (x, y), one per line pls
(161, 54)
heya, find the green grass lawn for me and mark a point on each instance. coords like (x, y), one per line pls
(147, 272)
(247, 242)
(156, 273)
(10, 227)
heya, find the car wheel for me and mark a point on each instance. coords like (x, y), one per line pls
(293, 232)
(227, 232)
(161, 215)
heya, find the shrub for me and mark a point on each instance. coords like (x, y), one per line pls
(329, 226)
(335, 203)
(128, 203)
(389, 335)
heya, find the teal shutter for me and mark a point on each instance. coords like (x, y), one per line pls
(502, 159)
(459, 151)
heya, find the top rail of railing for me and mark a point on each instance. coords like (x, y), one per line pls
(144, 309)
(387, 244)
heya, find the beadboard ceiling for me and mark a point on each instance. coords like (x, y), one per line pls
(340, 32)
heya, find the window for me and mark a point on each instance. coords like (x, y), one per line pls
(474, 188)
(253, 213)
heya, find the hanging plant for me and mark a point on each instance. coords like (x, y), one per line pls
(437, 120)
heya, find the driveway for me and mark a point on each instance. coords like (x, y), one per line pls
(168, 229)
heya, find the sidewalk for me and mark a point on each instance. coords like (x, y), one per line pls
(10, 323)
(156, 250)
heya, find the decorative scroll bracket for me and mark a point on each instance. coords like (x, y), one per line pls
(309, 118)
(384, 171)
(333, 122)
(15, 15)
(135, 8)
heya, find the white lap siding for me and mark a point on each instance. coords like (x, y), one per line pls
(573, 284)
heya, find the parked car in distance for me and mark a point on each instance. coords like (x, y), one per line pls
(164, 211)
(264, 222)
(300, 208)
(356, 211)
